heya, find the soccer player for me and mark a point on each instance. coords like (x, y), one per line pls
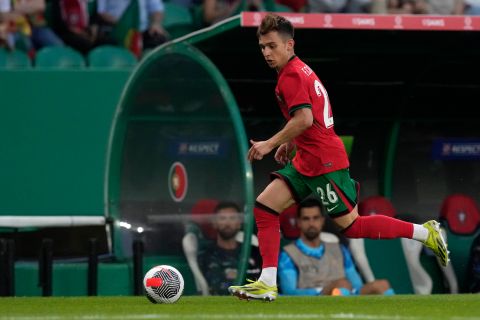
(320, 165)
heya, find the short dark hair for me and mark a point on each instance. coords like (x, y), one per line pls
(310, 203)
(273, 22)
(226, 204)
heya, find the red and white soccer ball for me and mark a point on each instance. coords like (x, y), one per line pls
(163, 284)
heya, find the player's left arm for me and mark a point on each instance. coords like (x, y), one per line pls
(350, 271)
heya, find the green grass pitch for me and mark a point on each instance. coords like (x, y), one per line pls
(409, 307)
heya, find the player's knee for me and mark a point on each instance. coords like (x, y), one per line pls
(345, 221)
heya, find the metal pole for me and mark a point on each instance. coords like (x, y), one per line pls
(45, 267)
(92, 267)
(137, 267)
(10, 268)
(3, 280)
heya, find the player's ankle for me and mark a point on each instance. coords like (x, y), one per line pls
(269, 276)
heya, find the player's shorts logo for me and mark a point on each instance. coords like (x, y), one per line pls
(177, 181)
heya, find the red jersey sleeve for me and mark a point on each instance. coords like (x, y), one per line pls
(294, 91)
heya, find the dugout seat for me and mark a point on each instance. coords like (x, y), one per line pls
(111, 57)
(198, 232)
(59, 58)
(375, 258)
(288, 223)
(15, 59)
(376, 205)
(460, 216)
(178, 20)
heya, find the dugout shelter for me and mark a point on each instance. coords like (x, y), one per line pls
(399, 85)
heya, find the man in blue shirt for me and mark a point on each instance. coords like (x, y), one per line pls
(310, 266)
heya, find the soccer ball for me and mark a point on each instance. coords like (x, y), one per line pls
(163, 284)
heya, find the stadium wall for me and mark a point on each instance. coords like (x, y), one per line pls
(53, 138)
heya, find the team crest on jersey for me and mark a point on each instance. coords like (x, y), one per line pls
(177, 181)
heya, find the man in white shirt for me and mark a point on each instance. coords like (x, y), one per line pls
(150, 18)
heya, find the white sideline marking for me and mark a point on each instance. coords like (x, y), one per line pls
(228, 316)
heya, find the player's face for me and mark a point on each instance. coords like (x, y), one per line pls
(227, 223)
(276, 49)
(310, 222)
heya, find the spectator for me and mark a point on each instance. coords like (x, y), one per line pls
(295, 5)
(402, 6)
(219, 260)
(312, 267)
(74, 27)
(42, 34)
(367, 6)
(3, 33)
(472, 7)
(150, 17)
(16, 31)
(443, 7)
(31, 24)
(327, 6)
(433, 7)
(218, 10)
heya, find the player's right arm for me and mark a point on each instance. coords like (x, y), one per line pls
(302, 120)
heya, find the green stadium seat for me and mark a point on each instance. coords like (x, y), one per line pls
(382, 254)
(281, 8)
(59, 58)
(178, 20)
(111, 57)
(272, 5)
(14, 60)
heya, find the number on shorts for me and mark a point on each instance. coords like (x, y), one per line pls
(331, 195)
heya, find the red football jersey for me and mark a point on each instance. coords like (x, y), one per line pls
(319, 149)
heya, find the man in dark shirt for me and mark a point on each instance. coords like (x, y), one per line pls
(219, 260)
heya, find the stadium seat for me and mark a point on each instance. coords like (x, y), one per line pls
(178, 20)
(14, 60)
(201, 214)
(376, 205)
(460, 216)
(59, 58)
(199, 232)
(375, 258)
(282, 8)
(111, 57)
(288, 223)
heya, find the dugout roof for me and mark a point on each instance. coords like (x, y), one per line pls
(390, 61)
